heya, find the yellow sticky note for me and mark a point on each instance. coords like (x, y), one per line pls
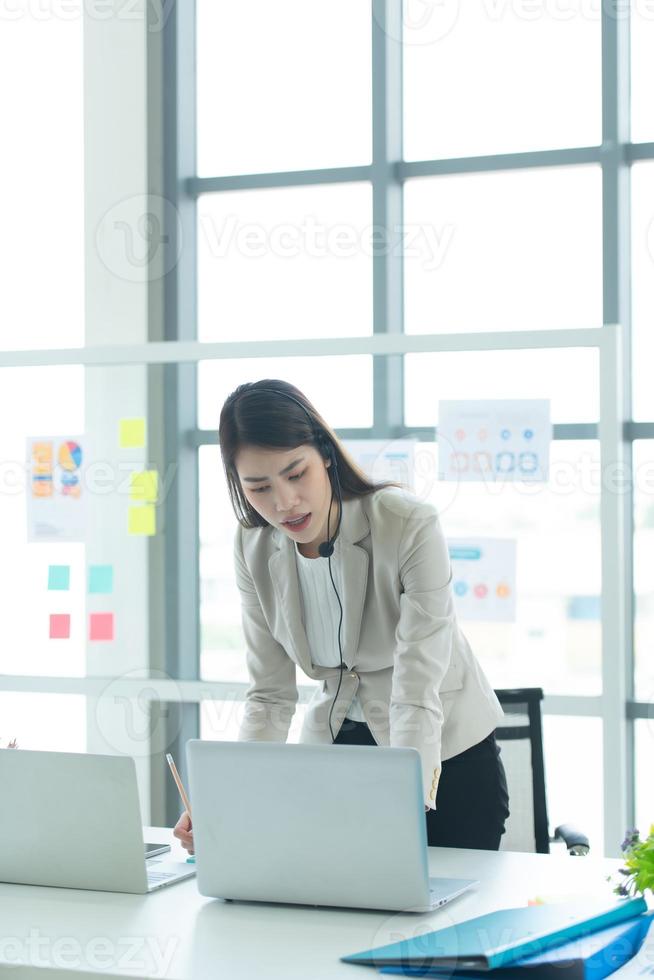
(132, 433)
(144, 485)
(142, 520)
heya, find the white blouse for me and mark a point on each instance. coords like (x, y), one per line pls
(320, 613)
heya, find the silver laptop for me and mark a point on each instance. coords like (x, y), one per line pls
(313, 824)
(74, 821)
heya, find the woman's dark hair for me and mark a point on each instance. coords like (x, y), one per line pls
(263, 414)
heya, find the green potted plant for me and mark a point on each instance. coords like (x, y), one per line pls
(638, 873)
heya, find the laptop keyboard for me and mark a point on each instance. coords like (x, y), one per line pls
(156, 877)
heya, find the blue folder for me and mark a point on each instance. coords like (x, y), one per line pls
(499, 938)
(591, 957)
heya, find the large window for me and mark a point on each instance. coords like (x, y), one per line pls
(336, 178)
(478, 78)
(521, 242)
(42, 245)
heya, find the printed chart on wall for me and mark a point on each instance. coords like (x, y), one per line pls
(484, 578)
(56, 495)
(494, 440)
(384, 459)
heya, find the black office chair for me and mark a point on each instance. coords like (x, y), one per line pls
(521, 741)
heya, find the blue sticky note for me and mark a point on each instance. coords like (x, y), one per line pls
(101, 579)
(59, 578)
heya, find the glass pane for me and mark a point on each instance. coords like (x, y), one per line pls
(569, 378)
(642, 251)
(642, 72)
(44, 722)
(504, 251)
(280, 264)
(39, 402)
(644, 569)
(220, 720)
(322, 379)
(478, 77)
(222, 646)
(644, 769)
(73, 521)
(283, 86)
(555, 642)
(569, 798)
(42, 185)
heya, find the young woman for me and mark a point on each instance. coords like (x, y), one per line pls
(350, 581)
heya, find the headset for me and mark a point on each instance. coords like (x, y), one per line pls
(325, 447)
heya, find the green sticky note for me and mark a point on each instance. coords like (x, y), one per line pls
(144, 486)
(59, 578)
(132, 433)
(101, 579)
(142, 520)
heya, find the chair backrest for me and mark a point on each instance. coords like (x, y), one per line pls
(520, 738)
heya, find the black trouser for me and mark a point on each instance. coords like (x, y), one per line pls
(472, 802)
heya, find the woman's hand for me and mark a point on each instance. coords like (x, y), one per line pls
(183, 831)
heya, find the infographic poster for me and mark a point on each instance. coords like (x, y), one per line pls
(484, 578)
(494, 440)
(55, 492)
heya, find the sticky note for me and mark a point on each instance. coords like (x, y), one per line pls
(101, 579)
(144, 485)
(101, 626)
(59, 626)
(142, 520)
(132, 433)
(58, 578)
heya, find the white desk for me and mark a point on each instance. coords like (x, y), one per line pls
(177, 933)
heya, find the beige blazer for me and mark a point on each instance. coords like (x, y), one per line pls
(415, 675)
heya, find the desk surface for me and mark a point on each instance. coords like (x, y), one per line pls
(179, 934)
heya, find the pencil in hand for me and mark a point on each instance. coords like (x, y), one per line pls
(178, 783)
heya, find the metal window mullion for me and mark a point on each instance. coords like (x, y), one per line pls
(615, 401)
(387, 211)
(180, 508)
(561, 431)
(410, 169)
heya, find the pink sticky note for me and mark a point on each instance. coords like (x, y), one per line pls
(60, 626)
(101, 626)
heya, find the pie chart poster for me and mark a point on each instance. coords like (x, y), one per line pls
(484, 578)
(56, 489)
